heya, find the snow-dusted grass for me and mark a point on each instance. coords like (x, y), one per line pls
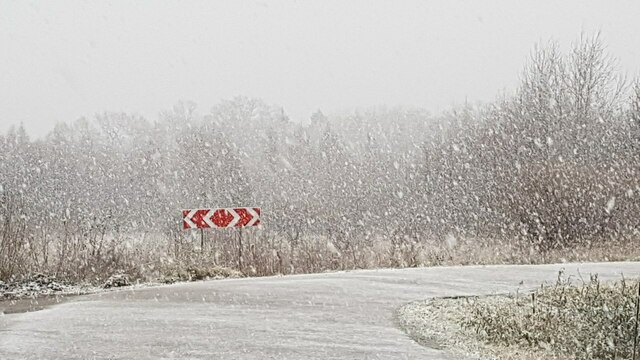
(593, 320)
(577, 319)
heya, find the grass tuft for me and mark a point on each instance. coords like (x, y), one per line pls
(570, 319)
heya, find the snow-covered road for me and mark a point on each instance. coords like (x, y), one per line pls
(346, 315)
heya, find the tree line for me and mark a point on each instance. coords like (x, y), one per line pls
(555, 165)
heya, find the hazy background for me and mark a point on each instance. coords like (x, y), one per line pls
(67, 59)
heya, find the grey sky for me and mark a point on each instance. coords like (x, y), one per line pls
(62, 60)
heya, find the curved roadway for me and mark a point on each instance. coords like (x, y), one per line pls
(345, 315)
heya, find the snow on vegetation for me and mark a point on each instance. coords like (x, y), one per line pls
(592, 320)
(551, 169)
(573, 318)
(40, 285)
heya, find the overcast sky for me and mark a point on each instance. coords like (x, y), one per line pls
(65, 59)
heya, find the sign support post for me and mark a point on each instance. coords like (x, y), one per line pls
(240, 249)
(201, 241)
(221, 218)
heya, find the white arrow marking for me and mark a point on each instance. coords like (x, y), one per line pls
(254, 217)
(236, 218)
(207, 219)
(187, 218)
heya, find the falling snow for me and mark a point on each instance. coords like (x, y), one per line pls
(378, 187)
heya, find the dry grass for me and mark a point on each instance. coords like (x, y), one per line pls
(196, 271)
(573, 318)
(91, 257)
(587, 320)
(91, 252)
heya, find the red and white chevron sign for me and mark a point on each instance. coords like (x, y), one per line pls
(220, 218)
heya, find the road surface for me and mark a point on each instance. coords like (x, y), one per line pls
(345, 315)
